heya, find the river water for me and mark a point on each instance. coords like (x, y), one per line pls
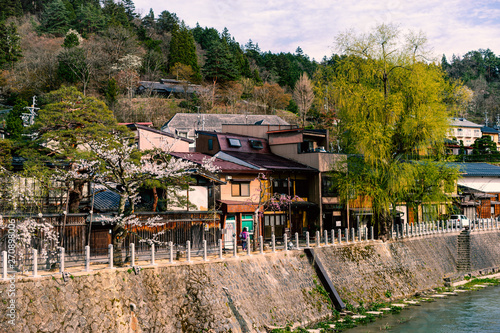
(471, 312)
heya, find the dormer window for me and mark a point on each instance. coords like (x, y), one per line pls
(256, 144)
(234, 142)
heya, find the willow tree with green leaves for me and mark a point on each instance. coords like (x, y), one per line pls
(391, 100)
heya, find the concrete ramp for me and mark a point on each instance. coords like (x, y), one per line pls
(325, 280)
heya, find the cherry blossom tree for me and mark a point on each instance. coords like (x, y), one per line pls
(30, 234)
(121, 168)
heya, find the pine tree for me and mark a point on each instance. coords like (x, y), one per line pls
(183, 50)
(10, 8)
(148, 21)
(10, 48)
(219, 65)
(14, 123)
(54, 18)
(89, 18)
(167, 22)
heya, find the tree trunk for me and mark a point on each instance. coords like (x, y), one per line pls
(76, 196)
(155, 199)
(384, 224)
(118, 238)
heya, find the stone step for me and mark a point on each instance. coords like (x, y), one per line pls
(385, 309)
(412, 302)
(438, 296)
(358, 317)
(376, 313)
(399, 305)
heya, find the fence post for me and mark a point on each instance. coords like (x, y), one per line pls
(340, 236)
(307, 240)
(61, 259)
(4, 265)
(35, 263)
(249, 245)
(371, 232)
(326, 237)
(347, 235)
(188, 251)
(261, 244)
(333, 237)
(220, 248)
(171, 247)
(235, 247)
(87, 258)
(297, 240)
(132, 254)
(205, 250)
(273, 241)
(110, 255)
(286, 242)
(318, 240)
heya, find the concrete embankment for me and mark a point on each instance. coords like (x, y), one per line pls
(243, 294)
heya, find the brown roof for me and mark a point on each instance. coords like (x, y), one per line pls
(226, 166)
(271, 162)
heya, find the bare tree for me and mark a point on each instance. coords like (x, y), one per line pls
(303, 95)
(272, 96)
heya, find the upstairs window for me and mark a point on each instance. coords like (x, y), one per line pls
(240, 189)
(328, 188)
(234, 142)
(210, 144)
(256, 144)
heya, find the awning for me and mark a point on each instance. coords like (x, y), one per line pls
(231, 206)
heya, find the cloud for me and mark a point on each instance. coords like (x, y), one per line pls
(452, 27)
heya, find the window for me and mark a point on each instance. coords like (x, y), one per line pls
(234, 142)
(328, 188)
(256, 144)
(210, 144)
(306, 146)
(240, 189)
(182, 134)
(281, 186)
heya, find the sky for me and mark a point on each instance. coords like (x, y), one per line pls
(451, 27)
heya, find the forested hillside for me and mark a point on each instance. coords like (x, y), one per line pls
(480, 72)
(104, 48)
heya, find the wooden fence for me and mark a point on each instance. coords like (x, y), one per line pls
(75, 231)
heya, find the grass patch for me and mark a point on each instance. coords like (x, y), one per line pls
(471, 284)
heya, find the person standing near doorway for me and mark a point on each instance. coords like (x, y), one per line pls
(244, 238)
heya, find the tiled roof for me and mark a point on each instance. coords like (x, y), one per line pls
(226, 166)
(271, 162)
(462, 122)
(486, 129)
(477, 169)
(213, 122)
(104, 199)
(168, 87)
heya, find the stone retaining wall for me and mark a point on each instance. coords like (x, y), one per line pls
(243, 294)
